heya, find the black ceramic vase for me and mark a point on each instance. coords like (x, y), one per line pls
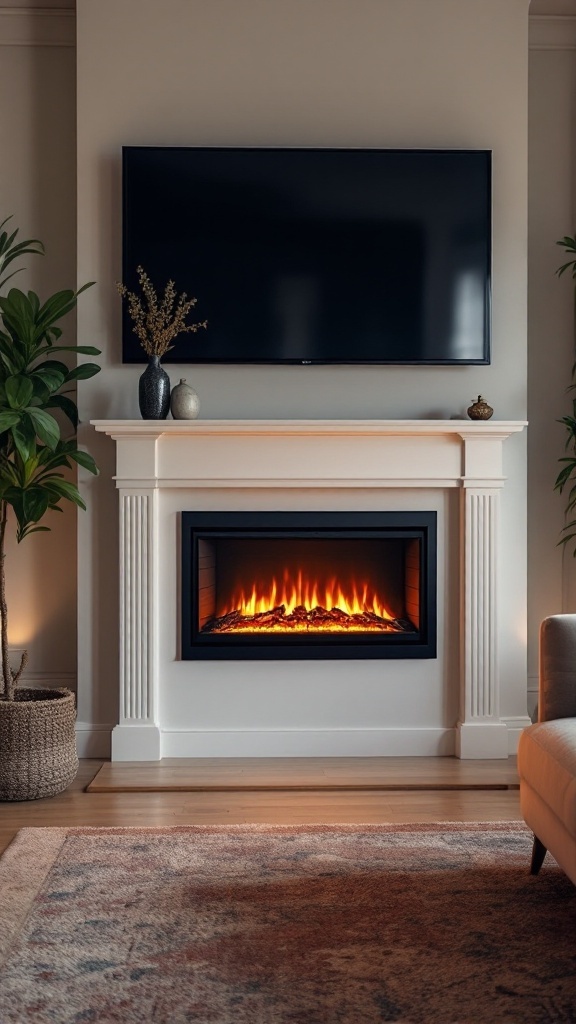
(154, 391)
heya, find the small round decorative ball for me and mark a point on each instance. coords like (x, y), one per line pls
(480, 410)
(184, 402)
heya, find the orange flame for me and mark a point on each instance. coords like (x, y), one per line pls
(299, 591)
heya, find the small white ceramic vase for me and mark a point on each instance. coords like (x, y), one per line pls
(184, 402)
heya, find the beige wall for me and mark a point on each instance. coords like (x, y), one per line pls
(38, 186)
(437, 73)
(552, 164)
(375, 92)
(335, 72)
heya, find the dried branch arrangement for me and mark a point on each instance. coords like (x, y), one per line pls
(157, 323)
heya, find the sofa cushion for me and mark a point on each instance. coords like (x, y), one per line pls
(547, 761)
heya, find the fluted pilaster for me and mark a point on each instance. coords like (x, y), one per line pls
(138, 680)
(479, 698)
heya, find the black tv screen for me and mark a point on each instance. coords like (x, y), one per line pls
(314, 255)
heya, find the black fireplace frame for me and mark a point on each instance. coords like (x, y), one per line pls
(237, 646)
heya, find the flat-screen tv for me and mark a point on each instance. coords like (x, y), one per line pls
(314, 255)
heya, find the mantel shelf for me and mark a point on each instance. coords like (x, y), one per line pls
(309, 453)
(334, 428)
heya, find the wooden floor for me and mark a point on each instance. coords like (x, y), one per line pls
(360, 803)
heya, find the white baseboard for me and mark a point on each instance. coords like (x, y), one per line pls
(481, 740)
(93, 740)
(52, 680)
(131, 742)
(308, 743)
(515, 726)
(533, 685)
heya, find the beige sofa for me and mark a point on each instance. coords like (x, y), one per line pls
(547, 750)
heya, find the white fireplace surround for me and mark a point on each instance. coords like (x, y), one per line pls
(174, 708)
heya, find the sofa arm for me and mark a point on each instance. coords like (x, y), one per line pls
(557, 687)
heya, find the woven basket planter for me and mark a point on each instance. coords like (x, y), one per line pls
(38, 755)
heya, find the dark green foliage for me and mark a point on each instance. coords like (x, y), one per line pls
(33, 386)
(567, 476)
(32, 451)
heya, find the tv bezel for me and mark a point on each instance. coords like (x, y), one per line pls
(137, 354)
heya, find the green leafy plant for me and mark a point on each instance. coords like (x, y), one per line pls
(33, 388)
(567, 475)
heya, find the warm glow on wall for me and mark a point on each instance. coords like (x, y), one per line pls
(21, 631)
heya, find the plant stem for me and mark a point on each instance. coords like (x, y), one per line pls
(7, 679)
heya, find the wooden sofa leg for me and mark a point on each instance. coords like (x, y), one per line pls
(538, 854)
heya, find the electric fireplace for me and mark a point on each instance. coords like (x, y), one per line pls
(341, 706)
(308, 585)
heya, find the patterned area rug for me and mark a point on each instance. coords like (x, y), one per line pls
(328, 924)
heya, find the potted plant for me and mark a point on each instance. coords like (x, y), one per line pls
(37, 737)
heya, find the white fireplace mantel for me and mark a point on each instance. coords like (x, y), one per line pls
(156, 457)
